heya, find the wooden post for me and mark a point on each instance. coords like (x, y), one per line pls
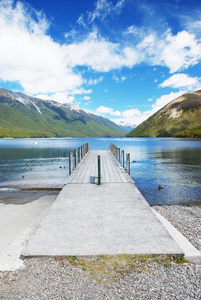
(82, 152)
(99, 170)
(116, 152)
(76, 159)
(118, 156)
(79, 154)
(112, 148)
(128, 163)
(122, 158)
(70, 162)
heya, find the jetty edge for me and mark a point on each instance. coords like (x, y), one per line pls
(110, 218)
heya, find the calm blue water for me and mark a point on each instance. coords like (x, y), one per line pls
(172, 163)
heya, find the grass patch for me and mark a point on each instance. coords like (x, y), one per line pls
(114, 267)
(179, 260)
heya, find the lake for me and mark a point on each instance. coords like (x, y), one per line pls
(43, 164)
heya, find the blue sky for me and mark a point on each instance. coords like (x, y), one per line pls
(123, 59)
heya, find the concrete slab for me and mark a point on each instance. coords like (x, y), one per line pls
(113, 218)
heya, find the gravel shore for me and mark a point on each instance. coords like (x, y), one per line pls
(112, 277)
(186, 219)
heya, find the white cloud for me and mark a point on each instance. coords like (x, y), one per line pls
(175, 52)
(181, 51)
(119, 79)
(107, 110)
(87, 98)
(95, 81)
(70, 34)
(80, 21)
(131, 121)
(181, 80)
(132, 117)
(192, 23)
(131, 112)
(87, 103)
(105, 8)
(58, 97)
(100, 55)
(135, 117)
(80, 91)
(29, 56)
(165, 99)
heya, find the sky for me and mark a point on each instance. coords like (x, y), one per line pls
(123, 59)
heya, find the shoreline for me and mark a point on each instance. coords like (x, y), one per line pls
(23, 196)
(17, 194)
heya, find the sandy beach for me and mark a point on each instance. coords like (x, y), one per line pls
(95, 277)
(20, 214)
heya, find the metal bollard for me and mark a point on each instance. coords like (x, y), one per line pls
(99, 170)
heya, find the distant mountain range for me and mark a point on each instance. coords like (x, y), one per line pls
(127, 127)
(25, 116)
(180, 118)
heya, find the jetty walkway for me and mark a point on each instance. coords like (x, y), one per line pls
(92, 219)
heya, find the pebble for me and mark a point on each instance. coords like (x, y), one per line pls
(49, 278)
(186, 219)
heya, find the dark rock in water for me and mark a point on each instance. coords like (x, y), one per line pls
(160, 187)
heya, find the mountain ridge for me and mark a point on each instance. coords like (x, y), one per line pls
(181, 114)
(27, 116)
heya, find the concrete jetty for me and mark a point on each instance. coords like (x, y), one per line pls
(91, 219)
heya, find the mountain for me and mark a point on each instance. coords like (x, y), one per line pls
(181, 114)
(127, 128)
(25, 116)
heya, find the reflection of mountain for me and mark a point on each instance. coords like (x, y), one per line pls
(183, 113)
(25, 116)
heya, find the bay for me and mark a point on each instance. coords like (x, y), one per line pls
(43, 164)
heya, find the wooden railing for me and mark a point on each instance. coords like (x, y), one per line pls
(78, 156)
(120, 158)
